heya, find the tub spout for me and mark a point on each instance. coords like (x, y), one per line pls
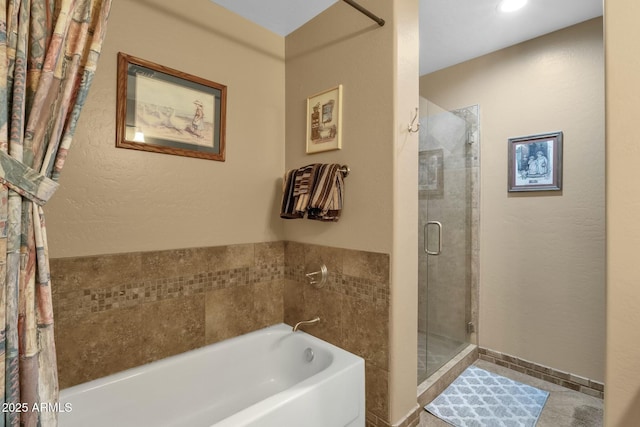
(306, 322)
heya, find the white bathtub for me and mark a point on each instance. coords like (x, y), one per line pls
(260, 379)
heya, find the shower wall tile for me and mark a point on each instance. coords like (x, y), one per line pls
(294, 255)
(269, 253)
(157, 264)
(333, 258)
(293, 301)
(222, 258)
(327, 305)
(117, 311)
(377, 395)
(241, 309)
(353, 306)
(104, 343)
(367, 265)
(268, 304)
(229, 313)
(366, 330)
(84, 273)
(114, 312)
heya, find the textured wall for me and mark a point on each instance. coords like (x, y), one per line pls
(542, 268)
(116, 200)
(341, 46)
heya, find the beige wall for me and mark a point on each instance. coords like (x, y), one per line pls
(622, 404)
(336, 48)
(404, 260)
(542, 269)
(115, 200)
(377, 67)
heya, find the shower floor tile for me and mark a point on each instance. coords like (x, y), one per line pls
(564, 407)
(439, 351)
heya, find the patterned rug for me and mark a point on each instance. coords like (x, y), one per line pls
(478, 398)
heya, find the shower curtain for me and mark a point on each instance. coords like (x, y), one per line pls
(48, 55)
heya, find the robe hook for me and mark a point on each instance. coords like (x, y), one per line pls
(410, 128)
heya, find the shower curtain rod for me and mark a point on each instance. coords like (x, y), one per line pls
(361, 9)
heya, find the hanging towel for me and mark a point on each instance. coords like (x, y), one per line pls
(316, 190)
(288, 208)
(296, 191)
(327, 194)
(304, 182)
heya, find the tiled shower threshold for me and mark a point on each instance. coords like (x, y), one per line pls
(436, 383)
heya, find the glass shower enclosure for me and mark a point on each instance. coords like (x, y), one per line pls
(447, 229)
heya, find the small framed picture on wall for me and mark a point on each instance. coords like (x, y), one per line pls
(535, 162)
(324, 121)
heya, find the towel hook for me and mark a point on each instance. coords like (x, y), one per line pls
(413, 121)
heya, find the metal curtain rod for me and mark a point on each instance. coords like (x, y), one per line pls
(361, 9)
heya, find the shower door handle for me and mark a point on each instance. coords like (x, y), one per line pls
(426, 233)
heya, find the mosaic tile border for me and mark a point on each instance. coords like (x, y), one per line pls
(123, 292)
(564, 379)
(139, 292)
(368, 290)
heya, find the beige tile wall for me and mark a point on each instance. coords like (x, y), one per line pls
(353, 307)
(114, 312)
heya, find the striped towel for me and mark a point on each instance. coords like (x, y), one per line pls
(304, 180)
(326, 197)
(288, 207)
(316, 190)
(297, 188)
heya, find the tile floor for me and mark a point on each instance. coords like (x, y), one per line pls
(564, 407)
(441, 350)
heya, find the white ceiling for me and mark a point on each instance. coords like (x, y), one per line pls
(451, 31)
(280, 16)
(454, 31)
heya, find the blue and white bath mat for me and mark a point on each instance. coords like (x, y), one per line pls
(479, 398)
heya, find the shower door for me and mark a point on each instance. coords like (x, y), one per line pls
(448, 162)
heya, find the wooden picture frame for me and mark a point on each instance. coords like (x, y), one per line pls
(324, 121)
(163, 110)
(535, 162)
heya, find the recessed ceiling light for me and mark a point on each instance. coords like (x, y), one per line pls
(511, 5)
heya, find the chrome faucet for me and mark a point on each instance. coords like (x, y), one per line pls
(306, 322)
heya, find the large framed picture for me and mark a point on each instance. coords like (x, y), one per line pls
(535, 162)
(167, 111)
(324, 121)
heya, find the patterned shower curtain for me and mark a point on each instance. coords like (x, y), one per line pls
(48, 55)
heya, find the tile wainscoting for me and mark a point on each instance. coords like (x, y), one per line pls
(353, 306)
(114, 312)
